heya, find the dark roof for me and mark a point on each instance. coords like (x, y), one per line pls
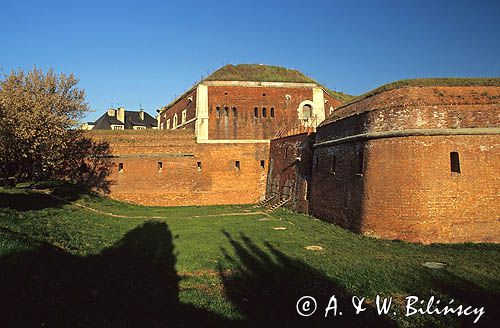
(132, 118)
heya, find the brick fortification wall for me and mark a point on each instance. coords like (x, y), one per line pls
(181, 181)
(382, 165)
(245, 125)
(188, 103)
(290, 170)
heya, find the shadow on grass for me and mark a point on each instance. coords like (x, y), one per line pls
(131, 284)
(60, 193)
(267, 284)
(468, 293)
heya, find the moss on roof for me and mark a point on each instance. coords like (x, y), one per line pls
(430, 82)
(258, 73)
(267, 73)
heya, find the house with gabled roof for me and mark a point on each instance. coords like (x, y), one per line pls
(121, 119)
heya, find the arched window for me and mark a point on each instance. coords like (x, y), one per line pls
(264, 112)
(256, 112)
(272, 112)
(175, 122)
(306, 111)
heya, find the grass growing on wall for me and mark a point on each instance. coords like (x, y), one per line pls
(430, 82)
(67, 265)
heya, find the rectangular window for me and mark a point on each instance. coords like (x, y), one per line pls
(272, 112)
(455, 162)
(237, 165)
(264, 112)
(160, 166)
(198, 166)
(286, 152)
(256, 112)
(334, 165)
(360, 163)
(217, 112)
(262, 164)
(168, 124)
(120, 167)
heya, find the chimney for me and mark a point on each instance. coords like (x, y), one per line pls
(141, 114)
(111, 112)
(120, 114)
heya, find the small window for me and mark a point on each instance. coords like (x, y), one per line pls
(262, 164)
(286, 152)
(360, 163)
(306, 112)
(160, 166)
(184, 116)
(198, 166)
(226, 111)
(264, 112)
(235, 114)
(333, 169)
(272, 112)
(120, 167)
(174, 126)
(225, 93)
(455, 162)
(263, 95)
(256, 112)
(217, 112)
(237, 165)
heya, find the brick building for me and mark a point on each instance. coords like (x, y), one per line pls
(213, 143)
(417, 163)
(413, 160)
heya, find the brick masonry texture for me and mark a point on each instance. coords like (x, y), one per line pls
(290, 167)
(245, 99)
(403, 188)
(180, 180)
(395, 188)
(188, 103)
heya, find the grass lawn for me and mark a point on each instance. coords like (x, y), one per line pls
(76, 265)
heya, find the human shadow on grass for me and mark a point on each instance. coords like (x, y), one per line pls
(265, 285)
(131, 284)
(467, 293)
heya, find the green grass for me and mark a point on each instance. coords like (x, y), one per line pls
(429, 82)
(64, 265)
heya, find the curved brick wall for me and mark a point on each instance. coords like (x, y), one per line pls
(406, 189)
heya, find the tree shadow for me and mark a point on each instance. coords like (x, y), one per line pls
(130, 284)
(41, 195)
(266, 285)
(88, 164)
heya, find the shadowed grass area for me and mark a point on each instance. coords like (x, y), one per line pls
(68, 266)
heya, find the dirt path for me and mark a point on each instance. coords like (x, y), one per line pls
(88, 208)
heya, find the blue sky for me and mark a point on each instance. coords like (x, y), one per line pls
(145, 52)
